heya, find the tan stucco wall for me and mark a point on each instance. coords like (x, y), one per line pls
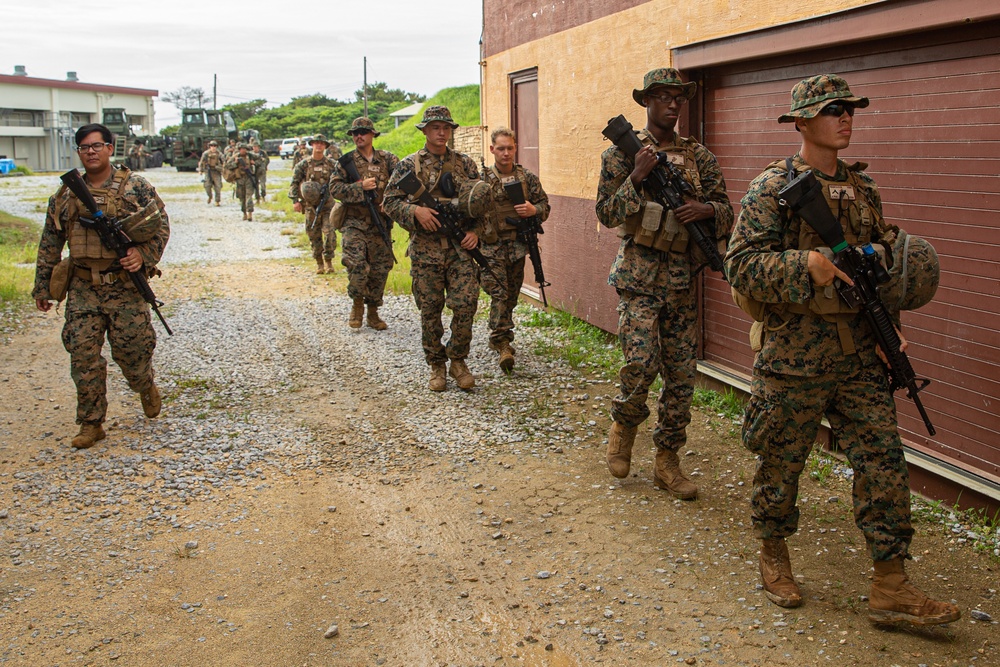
(586, 74)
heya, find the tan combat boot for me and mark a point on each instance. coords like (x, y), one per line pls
(463, 378)
(894, 599)
(374, 321)
(776, 573)
(329, 265)
(244, 215)
(667, 475)
(250, 216)
(218, 204)
(620, 441)
(150, 400)
(320, 267)
(209, 200)
(506, 357)
(89, 434)
(438, 381)
(357, 311)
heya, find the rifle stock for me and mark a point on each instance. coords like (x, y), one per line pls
(112, 237)
(668, 186)
(805, 198)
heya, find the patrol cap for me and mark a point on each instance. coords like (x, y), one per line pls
(914, 276)
(812, 94)
(433, 113)
(361, 125)
(663, 76)
(319, 139)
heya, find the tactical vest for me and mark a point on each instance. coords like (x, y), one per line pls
(380, 172)
(504, 207)
(858, 218)
(654, 226)
(319, 172)
(85, 247)
(213, 160)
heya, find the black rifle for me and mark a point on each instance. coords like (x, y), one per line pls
(804, 196)
(351, 169)
(668, 186)
(323, 196)
(448, 215)
(528, 230)
(250, 174)
(113, 237)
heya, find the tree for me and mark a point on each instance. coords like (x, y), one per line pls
(169, 130)
(380, 92)
(186, 97)
(245, 110)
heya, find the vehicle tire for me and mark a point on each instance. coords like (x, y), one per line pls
(155, 159)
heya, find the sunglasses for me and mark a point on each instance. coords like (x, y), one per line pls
(837, 109)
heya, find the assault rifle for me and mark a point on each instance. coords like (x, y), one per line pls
(528, 230)
(351, 169)
(448, 215)
(113, 237)
(804, 196)
(668, 187)
(250, 174)
(323, 196)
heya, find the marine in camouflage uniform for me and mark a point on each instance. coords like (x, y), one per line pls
(300, 154)
(101, 300)
(210, 165)
(316, 169)
(500, 243)
(333, 151)
(243, 164)
(137, 157)
(442, 272)
(261, 161)
(365, 253)
(231, 149)
(816, 357)
(653, 273)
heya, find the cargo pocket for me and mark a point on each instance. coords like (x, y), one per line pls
(755, 421)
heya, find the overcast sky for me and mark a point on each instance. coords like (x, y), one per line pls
(273, 50)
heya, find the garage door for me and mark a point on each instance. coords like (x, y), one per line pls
(932, 139)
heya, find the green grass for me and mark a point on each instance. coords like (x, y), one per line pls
(974, 526)
(399, 281)
(729, 404)
(462, 101)
(18, 248)
(579, 343)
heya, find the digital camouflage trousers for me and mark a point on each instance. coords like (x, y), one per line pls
(506, 258)
(452, 282)
(368, 261)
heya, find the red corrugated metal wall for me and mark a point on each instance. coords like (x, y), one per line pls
(932, 139)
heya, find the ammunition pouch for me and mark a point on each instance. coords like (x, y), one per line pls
(656, 228)
(59, 281)
(338, 214)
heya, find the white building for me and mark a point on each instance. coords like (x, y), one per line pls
(39, 116)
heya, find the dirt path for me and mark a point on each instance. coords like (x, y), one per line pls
(308, 480)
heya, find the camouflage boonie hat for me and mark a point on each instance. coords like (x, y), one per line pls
(361, 125)
(812, 94)
(242, 145)
(914, 276)
(663, 76)
(213, 142)
(319, 138)
(434, 113)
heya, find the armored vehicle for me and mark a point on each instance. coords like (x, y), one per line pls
(198, 127)
(157, 147)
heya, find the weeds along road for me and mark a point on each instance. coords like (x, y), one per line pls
(302, 477)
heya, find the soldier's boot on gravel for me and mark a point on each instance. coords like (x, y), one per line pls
(250, 216)
(244, 215)
(506, 357)
(329, 265)
(209, 200)
(776, 573)
(151, 402)
(374, 321)
(320, 267)
(438, 381)
(89, 434)
(217, 203)
(894, 599)
(357, 311)
(620, 441)
(463, 378)
(667, 475)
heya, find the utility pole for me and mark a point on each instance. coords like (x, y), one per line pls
(366, 86)
(215, 90)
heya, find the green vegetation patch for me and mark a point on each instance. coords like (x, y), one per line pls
(462, 101)
(18, 250)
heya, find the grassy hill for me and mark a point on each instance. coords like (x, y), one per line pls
(463, 101)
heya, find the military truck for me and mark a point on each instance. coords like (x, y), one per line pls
(198, 127)
(157, 147)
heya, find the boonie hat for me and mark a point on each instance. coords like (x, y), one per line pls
(812, 94)
(319, 138)
(362, 124)
(434, 113)
(213, 142)
(663, 76)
